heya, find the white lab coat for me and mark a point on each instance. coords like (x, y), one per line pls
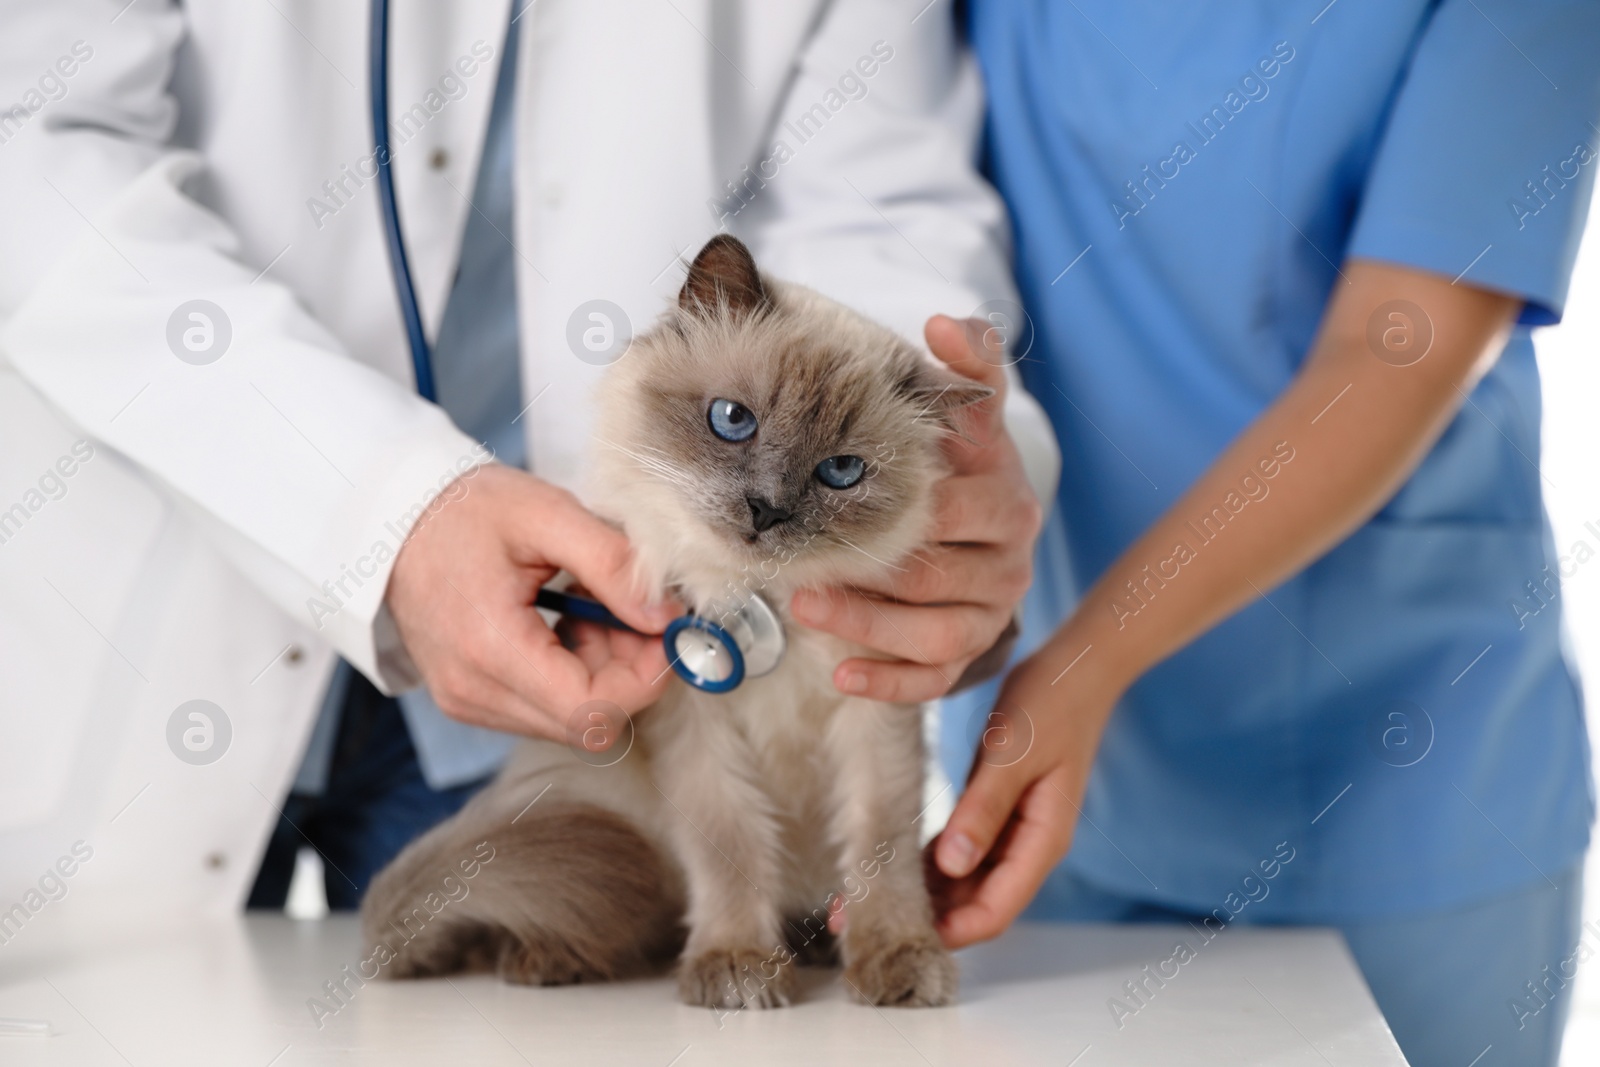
(218, 153)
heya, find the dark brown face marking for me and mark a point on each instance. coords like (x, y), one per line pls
(811, 402)
(821, 384)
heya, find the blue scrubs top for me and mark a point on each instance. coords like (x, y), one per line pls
(1184, 179)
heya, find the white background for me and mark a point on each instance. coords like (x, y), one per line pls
(1569, 358)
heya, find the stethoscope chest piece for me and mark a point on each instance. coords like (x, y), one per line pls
(716, 651)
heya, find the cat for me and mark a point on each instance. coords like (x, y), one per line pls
(760, 439)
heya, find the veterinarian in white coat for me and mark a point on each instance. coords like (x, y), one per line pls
(210, 450)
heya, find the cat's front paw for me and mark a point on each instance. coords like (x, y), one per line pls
(736, 978)
(914, 972)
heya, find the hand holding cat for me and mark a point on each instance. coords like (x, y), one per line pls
(951, 602)
(1016, 818)
(462, 591)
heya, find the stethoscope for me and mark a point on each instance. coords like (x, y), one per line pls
(715, 651)
(712, 652)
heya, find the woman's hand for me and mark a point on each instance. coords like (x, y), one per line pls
(1398, 351)
(1021, 805)
(956, 598)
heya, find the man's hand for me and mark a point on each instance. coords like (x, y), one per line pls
(462, 593)
(954, 599)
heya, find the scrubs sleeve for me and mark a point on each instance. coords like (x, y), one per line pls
(1486, 165)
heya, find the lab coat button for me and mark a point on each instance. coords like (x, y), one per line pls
(294, 654)
(438, 159)
(216, 861)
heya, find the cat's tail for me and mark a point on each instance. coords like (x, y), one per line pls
(564, 892)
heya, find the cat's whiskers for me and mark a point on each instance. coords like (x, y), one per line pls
(657, 451)
(662, 462)
(869, 555)
(664, 470)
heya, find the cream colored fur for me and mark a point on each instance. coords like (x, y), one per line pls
(761, 805)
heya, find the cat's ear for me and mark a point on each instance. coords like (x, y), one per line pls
(937, 391)
(724, 275)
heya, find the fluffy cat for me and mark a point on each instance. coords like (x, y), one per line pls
(761, 438)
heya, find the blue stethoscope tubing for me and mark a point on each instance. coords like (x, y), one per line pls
(400, 266)
(579, 608)
(422, 366)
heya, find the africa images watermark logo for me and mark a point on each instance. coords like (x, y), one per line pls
(1140, 991)
(599, 332)
(751, 982)
(51, 485)
(850, 87)
(342, 189)
(199, 732)
(1252, 87)
(50, 87)
(452, 888)
(450, 486)
(50, 887)
(1541, 193)
(199, 332)
(1399, 332)
(1253, 487)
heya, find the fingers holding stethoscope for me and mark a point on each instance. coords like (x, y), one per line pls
(528, 679)
(461, 594)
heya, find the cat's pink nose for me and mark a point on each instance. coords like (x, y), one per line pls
(764, 514)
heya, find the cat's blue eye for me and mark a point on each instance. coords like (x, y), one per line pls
(841, 472)
(731, 420)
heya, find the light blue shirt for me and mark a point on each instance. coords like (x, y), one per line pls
(1185, 180)
(478, 376)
